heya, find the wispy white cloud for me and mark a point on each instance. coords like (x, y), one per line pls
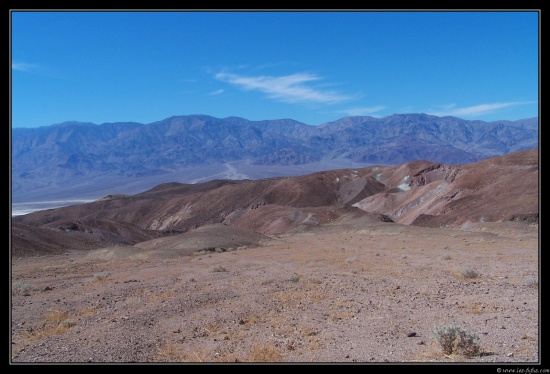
(288, 88)
(362, 111)
(217, 92)
(22, 66)
(447, 106)
(475, 110)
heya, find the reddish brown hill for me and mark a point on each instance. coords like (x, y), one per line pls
(497, 189)
(38, 241)
(420, 193)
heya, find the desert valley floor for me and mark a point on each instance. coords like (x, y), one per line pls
(350, 291)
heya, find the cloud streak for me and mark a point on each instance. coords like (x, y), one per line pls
(361, 111)
(288, 88)
(217, 92)
(476, 110)
(22, 66)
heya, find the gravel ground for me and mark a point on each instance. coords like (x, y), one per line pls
(335, 293)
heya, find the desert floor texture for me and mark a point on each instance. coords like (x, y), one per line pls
(350, 291)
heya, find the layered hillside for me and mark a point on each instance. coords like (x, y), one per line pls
(422, 193)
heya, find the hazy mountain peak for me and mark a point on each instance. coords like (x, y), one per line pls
(73, 157)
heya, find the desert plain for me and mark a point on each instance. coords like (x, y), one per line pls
(416, 263)
(351, 291)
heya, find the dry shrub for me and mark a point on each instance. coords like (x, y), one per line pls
(21, 288)
(102, 275)
(219, 269)
(470, 273)
(531, 282)
(454, 339)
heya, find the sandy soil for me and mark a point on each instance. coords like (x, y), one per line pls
(343, 292)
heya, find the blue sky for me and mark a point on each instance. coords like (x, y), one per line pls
(314, 67)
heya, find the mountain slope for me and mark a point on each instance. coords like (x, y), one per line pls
(496, 189)
(422, 193)
(78, 159)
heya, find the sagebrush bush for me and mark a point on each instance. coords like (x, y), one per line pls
(219, 269)
(102, 275)
(531, 282)
(20, 288)
(454, 339)
(294, 278)
(470, 273)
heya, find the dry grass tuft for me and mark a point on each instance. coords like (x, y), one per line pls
(57, 322)
(169, 353)
(161, 296)
(265, 353)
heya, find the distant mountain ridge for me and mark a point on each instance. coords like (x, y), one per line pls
(68, 157)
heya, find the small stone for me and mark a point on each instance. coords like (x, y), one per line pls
(411, 334)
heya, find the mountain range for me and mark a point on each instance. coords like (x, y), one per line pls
(85, 160)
